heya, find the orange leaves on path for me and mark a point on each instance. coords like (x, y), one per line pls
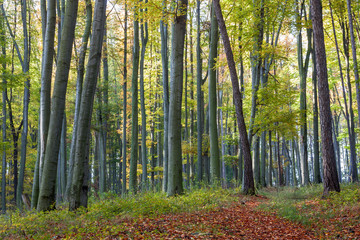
(237, 221)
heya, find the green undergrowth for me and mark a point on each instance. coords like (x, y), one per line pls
(306, 205)
(62, 223)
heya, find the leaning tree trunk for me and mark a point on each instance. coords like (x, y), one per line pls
(248, 184)
(47, 187)
(331, 181)
(175, 183)
(86, 105)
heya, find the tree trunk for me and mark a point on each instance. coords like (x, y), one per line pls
(214, 141)
(47, 187)
(4, 94)
(86, 106)
(124, 150)
(248, 184)
(199, 98)
(79, 86)
(175, 181)
(134, 111)
(144, 40)
(331, 181)
(353, 167)
(26, 100)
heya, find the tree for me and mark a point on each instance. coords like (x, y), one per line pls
(165, 80)
(175, 184)
(353, 168)
(134, 109)
(45, 98)
(214, 141)
(331, 181)
(47, 186)
(4, 94)
(248, 184)
(144, 40)
(79, 87)
(86, 106)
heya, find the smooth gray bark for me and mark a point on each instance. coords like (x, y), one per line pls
(26, 101)
(144, 39)
(86, 106)
(199, 98)
(134, 111)
(214, 141)
(47, 187)
(353, 166)
(79, 86)
(175, 181)
(165, 80)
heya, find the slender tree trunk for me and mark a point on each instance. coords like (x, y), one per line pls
(199, 98)
(4, 94)
(317, 175)
(331, 181)
(144, 40)
(353, 167)
(26, 100)
(214, 141)
(124, 150)
(134, 112)
(79, 85)
(86, 107)
(47, 187)
(248, 184)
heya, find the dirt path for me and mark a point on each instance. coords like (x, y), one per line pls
(238, 221)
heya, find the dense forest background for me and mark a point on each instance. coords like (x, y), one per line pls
(127, 96)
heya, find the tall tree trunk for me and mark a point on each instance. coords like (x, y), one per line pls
(175, 181)
(353, 167)
(86, 106)
(199, 98)
(214, 141)
(144, 40)
(47, 187)
(134, 112)
(124, 150)
(165, 78)
(349, 117)
(317, 175)
(79, 85)
(248, 184)
(303, 68)
(26, 100)
(4, 94)
(331, 181)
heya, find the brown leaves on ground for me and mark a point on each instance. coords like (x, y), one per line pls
(240, 220)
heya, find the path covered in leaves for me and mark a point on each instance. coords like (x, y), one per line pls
(237, 221)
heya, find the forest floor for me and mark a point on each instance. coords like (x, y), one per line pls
(289, 213)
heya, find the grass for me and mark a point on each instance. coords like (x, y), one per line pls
(61, 222)
(332, 217)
